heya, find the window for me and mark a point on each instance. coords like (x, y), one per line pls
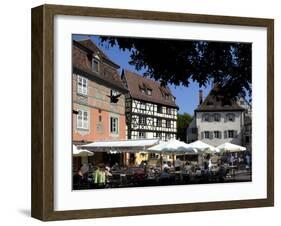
(159, 122)
(158, 135)
(169, 111)
(82, 85)
(207, 134)
(82, 119)
(166, 96)
(142, 105)
(168, 136)
(163, 123)
(113, 125)
(141, 135)
(149, 92)
(142, 90)
(95, 65)
(217, 117)
(168, 124)
(206, 117)
(100, 118)
(230, 133)
(142, 120)
(230, 117)
(159, 109)
(217, 134)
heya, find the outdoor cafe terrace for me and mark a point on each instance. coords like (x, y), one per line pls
(173, 163)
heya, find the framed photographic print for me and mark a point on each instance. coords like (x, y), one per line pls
(141, 112)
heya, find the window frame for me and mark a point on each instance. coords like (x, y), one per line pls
(217, 115)
(95, 60)
(218, 133)
(141, 137)
(112, 130)
(230, 132)
(81, 89)
(209, 135)
(83, 121)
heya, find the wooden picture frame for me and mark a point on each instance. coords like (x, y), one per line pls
(43, 112)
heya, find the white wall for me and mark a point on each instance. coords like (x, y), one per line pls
(221, 126)
(15, 102)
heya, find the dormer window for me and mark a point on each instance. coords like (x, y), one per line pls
(230, 117)
(95, 65)
(142, 91)
(145, 89)
(217, 117)
(206, 117)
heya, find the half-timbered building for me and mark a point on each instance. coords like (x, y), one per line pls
(151, 110)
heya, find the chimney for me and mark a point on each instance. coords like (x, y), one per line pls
(200, 96)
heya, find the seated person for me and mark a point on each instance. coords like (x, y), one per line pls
(164, 177)
(116, 166)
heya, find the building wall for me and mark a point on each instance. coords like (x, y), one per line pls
(222, 126)
(139, 109)
(192, 132)
(151, 130)
(97, 103)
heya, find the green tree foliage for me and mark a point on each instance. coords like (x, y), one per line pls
(177, 62)
(182, 123)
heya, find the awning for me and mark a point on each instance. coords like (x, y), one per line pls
(81, 153)
(120, 145)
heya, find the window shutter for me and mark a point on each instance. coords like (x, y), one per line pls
(225, 118)
(220, 135)
(235, 134)
(202, 135)
(225, 134)
(211, 118)
(111, 124)
(211, 134)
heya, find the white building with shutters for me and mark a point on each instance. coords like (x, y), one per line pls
(217, 121)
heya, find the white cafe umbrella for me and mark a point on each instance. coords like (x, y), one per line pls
(81, 153)
(202, 147)
(229, 147)
(172, 147)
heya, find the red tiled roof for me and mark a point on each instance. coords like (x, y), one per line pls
(81, 60)
(135, 82)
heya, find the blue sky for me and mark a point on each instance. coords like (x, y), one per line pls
(186, 97)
